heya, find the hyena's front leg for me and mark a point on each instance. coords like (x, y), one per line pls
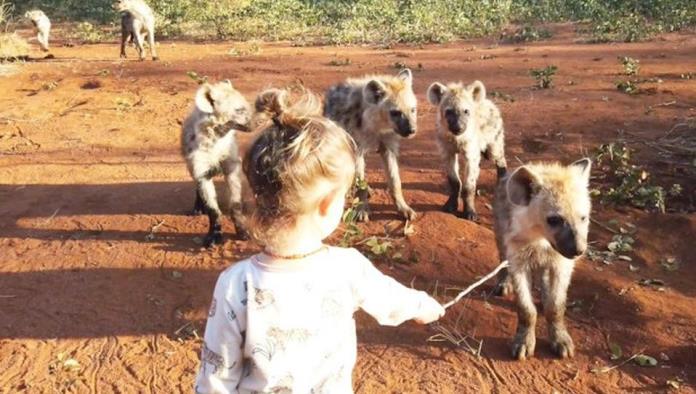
(233, 180)
(43, 40)
(151, 40)
(472, 170)
(138, 39)
(389, 157)
(525, 339)
(454, 182)
(206, 188)
(362, 191)
(555, 290)
(497, 153)
(198, 204)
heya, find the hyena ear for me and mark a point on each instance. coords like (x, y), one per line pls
(374, 92)
(584, 165)
(204, 99)
(478, 91)
(521, 186)
(406, 75)
(435, 93)
(271, 101)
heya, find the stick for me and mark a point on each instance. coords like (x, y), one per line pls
(478, 283)
(604, 226)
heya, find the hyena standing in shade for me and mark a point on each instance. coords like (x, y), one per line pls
(542, 215)
(468, 124)
(137, 20)
(208, 143)
(42, 25)
(377, 111)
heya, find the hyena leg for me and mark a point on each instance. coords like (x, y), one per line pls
(503, 287)
(525, 340)
(43, 40)
(362, 192)
(233, 180)
(470, 178)
(125, 35)
(497, 153)
(555, 291)
(389, 157)
(206, 188)
(151, 40)
(455, 183)
(138, 38)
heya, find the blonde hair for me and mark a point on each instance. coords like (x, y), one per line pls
(296, 151)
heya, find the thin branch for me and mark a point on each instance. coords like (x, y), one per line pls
(478, 283)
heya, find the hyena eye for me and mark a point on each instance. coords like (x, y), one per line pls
(466, 112)
(240, 111)
(413, 110)
(395, 113)
(554, 221)
(583, 218)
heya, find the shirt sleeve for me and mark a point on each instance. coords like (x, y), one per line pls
(382, 297)
(222, 350)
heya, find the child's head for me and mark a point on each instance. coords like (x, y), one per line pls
(299, 168)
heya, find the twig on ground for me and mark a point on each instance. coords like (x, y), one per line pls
(478, 283)
(52, 216)
(624, 362)
(604, 226)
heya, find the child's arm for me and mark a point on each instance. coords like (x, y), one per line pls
(221, 353)
(390, 302)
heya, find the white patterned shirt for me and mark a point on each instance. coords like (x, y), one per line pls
(288, 326)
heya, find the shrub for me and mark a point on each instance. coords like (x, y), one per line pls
(544, 76)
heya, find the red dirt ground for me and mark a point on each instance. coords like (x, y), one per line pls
(99, 263)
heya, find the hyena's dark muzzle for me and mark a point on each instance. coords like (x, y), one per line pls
(567, 242)
(452, 118)
(402, 124)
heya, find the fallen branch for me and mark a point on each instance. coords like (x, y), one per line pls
(478, 283)
(604, 226)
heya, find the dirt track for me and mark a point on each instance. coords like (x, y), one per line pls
(99, 262)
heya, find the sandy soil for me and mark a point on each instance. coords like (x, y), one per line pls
(100, 264)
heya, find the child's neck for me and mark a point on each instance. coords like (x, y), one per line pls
(304, 238)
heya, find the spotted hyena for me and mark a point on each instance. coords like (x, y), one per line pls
(542, 214)
(137, 20)
(42, 25)
(378, 111)
(208, 143)
(468, 124)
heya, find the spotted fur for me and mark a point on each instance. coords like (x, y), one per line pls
(42, 25)
(542, 214)
(468, 124)
(137, 20)
(378, 112)
(209, 147)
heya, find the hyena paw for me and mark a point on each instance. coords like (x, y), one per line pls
(523, 345)
(362, 213)
(155, 58)
(503, 288)
(407, 213)
(211, 239)
(450, 206)
(562, 344)
(470, 214)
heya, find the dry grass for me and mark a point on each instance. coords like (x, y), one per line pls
(13, 47)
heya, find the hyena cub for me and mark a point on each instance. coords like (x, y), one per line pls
(542, 213)
(42, 25)
(137, 19)
(209, 146)
(377, 111)
(468, 124)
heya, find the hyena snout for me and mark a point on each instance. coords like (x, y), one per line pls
(569, 244)
(454, 123)
(402, 124)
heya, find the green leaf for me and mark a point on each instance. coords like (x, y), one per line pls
(616, 352)
(645, 361)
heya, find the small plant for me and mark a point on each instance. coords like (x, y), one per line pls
(349, 219)
(529, 33)
(87, 33)
(251, 49)
(198, 78)
(630, 183)
(628, 87)
(337, 62)
(631, 66)
(544, 76)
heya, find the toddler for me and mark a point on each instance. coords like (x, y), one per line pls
(282, 320)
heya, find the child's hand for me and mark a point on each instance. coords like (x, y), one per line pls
(430, 310)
